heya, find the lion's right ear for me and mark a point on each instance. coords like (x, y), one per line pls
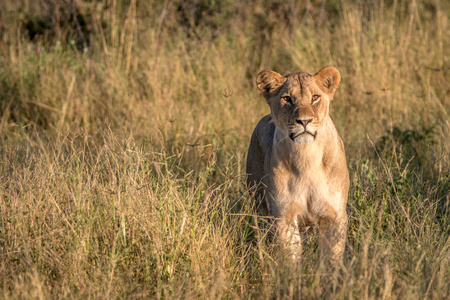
(328, 80)
(269, 82)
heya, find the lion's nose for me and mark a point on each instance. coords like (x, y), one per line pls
(303, 122)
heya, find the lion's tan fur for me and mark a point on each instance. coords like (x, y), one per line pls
(300, 179)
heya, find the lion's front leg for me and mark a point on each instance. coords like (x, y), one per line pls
(333, 235)
(288, 235)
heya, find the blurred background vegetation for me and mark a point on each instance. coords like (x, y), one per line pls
(124, 126)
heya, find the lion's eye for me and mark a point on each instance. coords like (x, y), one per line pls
(287, 99)
(315, 97)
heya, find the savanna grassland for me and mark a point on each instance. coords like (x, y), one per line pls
(124, 127)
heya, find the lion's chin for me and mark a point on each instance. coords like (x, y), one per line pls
(305, 138)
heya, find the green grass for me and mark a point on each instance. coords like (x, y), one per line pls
(122, 153)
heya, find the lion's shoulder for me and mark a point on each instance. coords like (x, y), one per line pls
(264, 132)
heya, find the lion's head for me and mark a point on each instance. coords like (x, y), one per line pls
(299, 102)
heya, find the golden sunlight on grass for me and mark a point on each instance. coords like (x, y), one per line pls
(124, 127)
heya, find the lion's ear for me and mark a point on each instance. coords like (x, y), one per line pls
(328, 80)
(269, 82)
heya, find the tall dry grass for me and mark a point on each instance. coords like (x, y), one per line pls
(124, 128)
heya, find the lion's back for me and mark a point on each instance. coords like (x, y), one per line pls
(261, 142)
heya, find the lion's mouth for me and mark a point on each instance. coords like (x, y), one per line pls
(293, 136)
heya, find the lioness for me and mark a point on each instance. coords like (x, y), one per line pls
(296, 160)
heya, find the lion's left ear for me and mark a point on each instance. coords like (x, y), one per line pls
(328, 80)
(269, 82)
